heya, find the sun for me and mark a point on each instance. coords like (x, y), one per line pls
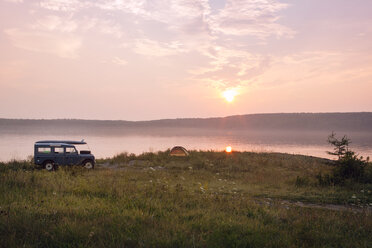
(228, 149)
(229, 95)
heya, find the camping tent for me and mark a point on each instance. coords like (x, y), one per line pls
(178, 151)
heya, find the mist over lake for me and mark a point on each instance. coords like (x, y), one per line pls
(286, 133)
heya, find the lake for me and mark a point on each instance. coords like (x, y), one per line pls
(19, 144)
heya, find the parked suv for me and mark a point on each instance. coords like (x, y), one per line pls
(52, 153)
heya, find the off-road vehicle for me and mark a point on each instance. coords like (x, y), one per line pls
(52, 153)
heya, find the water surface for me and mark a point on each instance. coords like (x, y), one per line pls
(20, 146)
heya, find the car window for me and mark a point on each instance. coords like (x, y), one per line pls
(58, 150)
(70, 150)
(44, 150)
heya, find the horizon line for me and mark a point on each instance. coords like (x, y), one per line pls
(182, 118)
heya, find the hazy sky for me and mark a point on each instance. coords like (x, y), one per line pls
(152, 59)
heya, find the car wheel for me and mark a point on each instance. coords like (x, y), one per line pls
(88, 165)
(49, 166)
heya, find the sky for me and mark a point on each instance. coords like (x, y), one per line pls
(156, 59)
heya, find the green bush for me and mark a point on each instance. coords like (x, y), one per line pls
(348, 167)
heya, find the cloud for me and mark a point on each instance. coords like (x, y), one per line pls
(108, 27)
(251, 17)
(133, 6)
(55, 23)
(119, 61)
(257, 18)
(317, 68)
(239, 17)
(65, 46)
(14, 1)
(236, 69)
(63, 5)
(159, 10)
(153, 48)
(209, 34)
(232, 68)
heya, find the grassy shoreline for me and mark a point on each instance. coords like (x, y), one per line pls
(209, 199)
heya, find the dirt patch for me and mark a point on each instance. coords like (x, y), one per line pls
(335, 207)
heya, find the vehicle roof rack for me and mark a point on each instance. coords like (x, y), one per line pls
(70, 142)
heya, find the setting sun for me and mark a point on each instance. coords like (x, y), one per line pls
(228, 149)
(229, 95)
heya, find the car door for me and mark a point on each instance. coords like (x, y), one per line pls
(59, 156)
(71, 155)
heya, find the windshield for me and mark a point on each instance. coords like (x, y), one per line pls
(84, 147)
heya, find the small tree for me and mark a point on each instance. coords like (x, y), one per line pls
(348, 165)
(341, 147)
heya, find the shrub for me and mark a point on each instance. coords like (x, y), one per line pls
(349, 166)
(341, 147)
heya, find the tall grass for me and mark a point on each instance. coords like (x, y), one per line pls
(209, 199)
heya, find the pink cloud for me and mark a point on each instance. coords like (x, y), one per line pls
(65, 46)
(251, 17)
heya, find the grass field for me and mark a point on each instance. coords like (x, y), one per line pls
(209, 199)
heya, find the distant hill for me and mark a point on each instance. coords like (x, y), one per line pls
(345, 122)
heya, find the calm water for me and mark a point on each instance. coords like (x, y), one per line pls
(19, 146)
